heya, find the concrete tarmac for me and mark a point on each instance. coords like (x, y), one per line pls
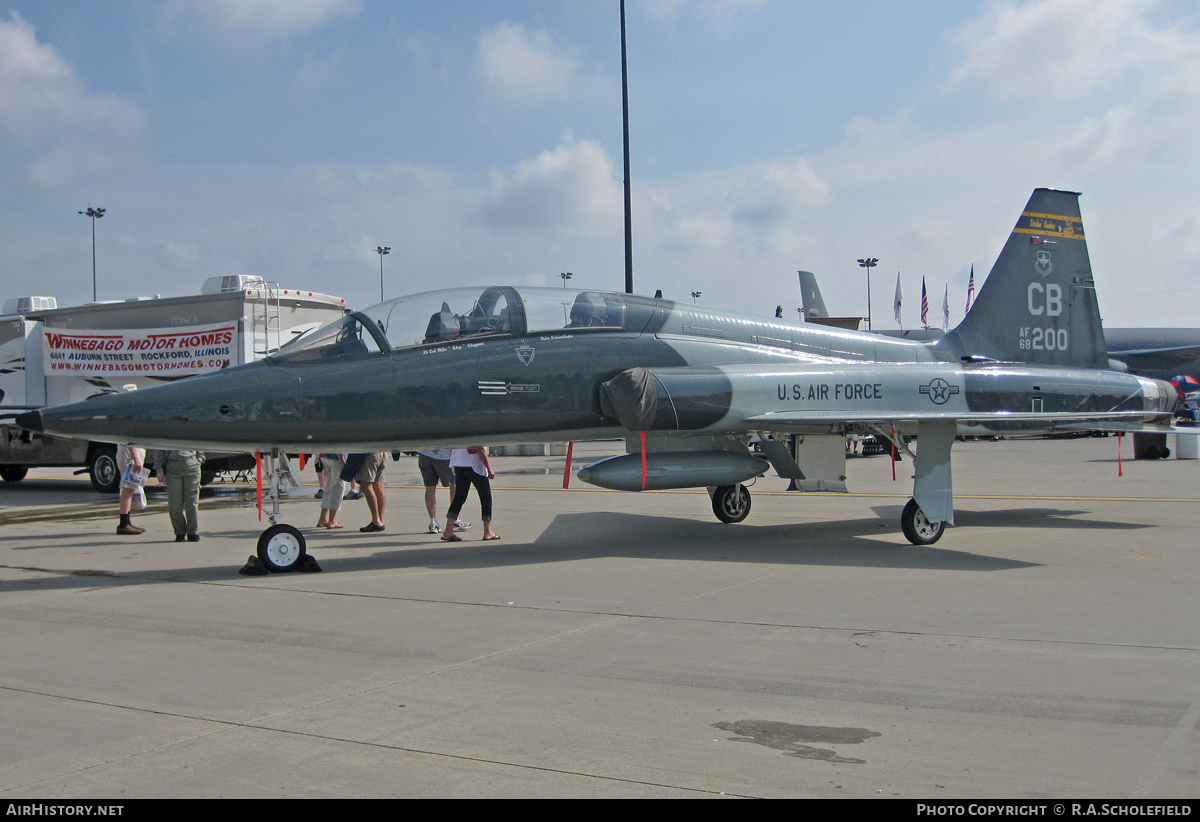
(618, 645)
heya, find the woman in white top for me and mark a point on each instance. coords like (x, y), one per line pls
(471, 467)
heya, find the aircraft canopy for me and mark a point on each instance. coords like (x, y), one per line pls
(455, 315)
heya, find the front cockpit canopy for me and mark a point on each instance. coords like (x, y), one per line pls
(454, 315)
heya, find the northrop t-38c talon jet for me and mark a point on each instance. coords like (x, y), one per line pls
(687, 386)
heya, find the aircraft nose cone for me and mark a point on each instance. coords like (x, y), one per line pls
(30, 421)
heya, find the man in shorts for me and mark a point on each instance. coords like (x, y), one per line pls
(435, 468)
(370, 480)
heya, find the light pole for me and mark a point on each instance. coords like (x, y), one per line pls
(381, 250)
(625, 144)
(566, 275)
(94, 214)
(695, 296)
(868, 263)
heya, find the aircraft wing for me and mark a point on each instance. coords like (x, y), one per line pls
(1157, 359)
(1116, 420)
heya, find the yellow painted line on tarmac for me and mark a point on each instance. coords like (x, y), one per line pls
(859, 496)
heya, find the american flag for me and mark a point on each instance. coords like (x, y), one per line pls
(924, 305)
(970, 288)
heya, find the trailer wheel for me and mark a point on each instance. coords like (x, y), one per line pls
(102, 468)
(13, 473)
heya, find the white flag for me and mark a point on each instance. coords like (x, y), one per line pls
(946, 309)
(899, 300)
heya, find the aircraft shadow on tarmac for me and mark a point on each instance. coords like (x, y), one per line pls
(588, 535)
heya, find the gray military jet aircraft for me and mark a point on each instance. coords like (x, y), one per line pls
(687, 386)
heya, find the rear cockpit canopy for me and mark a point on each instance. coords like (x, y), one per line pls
(454, 315)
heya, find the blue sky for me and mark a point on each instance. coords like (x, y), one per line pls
(481, 141)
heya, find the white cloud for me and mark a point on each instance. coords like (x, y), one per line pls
(45, 106)
(516, 65)
(1058, 50)
(571, 186)
(715, 13)
(1054, 52)
(39, 91)
(279, 19)
(755, 206)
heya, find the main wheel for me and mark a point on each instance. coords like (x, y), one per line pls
(280, 547)
(13, 473)
(731, 503)
(102, 468)
(917, 528)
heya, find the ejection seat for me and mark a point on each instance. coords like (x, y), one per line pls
(443, 326)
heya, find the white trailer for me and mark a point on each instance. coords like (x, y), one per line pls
(51, 356)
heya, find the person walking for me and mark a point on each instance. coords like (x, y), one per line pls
(332, 488)
(129, 455)
(435, 467)
(471, 467)
(180, 470)
(370, 480)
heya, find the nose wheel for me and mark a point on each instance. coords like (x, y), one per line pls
(280, 547)
(731, 503)
(916, 526)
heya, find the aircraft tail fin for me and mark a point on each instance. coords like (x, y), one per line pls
(1038, 304)
(810, 296)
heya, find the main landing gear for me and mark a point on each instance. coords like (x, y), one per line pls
(731, 503)
(917, 528)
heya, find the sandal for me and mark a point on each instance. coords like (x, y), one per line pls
(492, 537)
(335, 526)
(452, 538)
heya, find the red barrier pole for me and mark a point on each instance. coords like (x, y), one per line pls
(258, 479)
(1120, 436)
(643, 460)
(567, 469)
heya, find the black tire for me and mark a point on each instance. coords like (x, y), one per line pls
(1153, 453)
(917, 529)
(280, 547)
(102, 468)
(13, 473)
(731, 503)
(1166, 452)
